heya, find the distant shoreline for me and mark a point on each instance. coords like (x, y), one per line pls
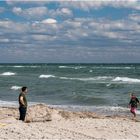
(73, 63)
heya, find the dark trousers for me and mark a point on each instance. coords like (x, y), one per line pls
(22, 111)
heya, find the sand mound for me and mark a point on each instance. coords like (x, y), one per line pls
(41, 113)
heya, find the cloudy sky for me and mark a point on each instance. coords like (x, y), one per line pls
(101, 31)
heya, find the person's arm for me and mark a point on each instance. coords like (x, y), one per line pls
(129, 105)
(22, 101)
(137, 100)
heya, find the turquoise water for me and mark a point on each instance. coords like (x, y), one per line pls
(71, 85)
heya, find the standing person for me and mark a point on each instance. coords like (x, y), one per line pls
(22, 103)
(133, 104)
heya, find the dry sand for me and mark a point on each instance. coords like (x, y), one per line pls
(49, 123)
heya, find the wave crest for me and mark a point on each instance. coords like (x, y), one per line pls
(8, 73)
(18, 66)
(46, 76)
(15, 87)
(100, 67)
(25, 66)
(70, 67)
(126, 79)
(109, 79)
(88, 79)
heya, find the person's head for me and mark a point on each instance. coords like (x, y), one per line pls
(24, 89)
(132, 95)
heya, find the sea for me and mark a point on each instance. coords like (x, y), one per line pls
(101, 88)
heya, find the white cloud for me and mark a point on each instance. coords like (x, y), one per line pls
(66, 11)
(35, 12)
(49, 21)
(61, 12)
(38, 12)
(44, 38)
(84, 4)
(39, 37)
(96, 4)
(17, 10)
(134, 17)
(119, 29)
(4, 40)
(8, 26)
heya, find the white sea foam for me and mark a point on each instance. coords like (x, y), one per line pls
(114, 108)
(70, 67)
(108, 85)
(62, 66)
(34, 66)
(25, 66)
(91, 71)
(46, 76)
(18, 66)
(88, 79)
(102, 109)
(8, 103)
(126, 79)
(15, 87)
(101, 67)
(8, 73)
(138, 112)
(14, 103)
(129, 67)
(79, 67)
(68, 78)
(103, 77)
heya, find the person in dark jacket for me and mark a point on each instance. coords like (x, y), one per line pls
(23, 103)
(133, 104)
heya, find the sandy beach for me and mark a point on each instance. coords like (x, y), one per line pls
(49, 123)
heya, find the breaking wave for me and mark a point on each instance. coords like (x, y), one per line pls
(15, 87)
(126, 79)
(106, 110)
(18, 66)
(88, 79)
(25, 66)
(113, 67)
(46, 76)
(8, 73)
(70, 67)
